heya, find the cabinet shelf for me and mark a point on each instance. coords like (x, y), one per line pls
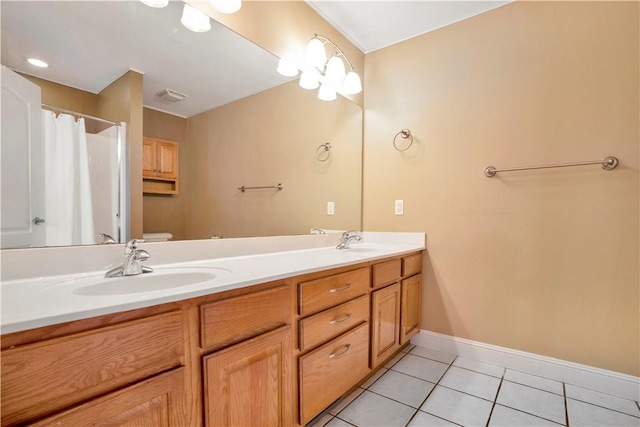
(159, 166)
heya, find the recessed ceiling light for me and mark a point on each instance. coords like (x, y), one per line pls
(37, 62)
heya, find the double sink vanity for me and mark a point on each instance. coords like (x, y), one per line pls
(263, 331)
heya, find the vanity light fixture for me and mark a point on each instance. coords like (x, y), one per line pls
(226, 6)
(330, 75)
(287, 68)
(195, 20)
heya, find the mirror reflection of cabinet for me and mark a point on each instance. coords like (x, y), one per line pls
(159, 166)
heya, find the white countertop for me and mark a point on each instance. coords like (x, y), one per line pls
(33, 302)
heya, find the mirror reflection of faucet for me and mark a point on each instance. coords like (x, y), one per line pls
(347, 238)
(106, 239)
(132, 264)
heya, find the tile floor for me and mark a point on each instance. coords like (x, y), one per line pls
(423, 387)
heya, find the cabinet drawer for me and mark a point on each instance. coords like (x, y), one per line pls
(152, 402)
(385, 272)
(330, 323)
(44, 377)
(319, 294)
(235, 319)
(411, 264)
(331, 370)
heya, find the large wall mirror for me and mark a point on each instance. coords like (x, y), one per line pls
(242, 124)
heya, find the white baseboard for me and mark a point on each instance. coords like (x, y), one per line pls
(610, 382)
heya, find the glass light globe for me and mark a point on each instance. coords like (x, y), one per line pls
(226, 6)
(335, 70)
(352, 84)
(316, 55)
(156, 3)
(309, 80)
(287, 68)
(327, 92)
(195, 20)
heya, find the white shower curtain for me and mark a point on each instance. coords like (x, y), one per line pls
(69, 213)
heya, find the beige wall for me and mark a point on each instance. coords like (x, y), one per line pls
(271, 138)
(166, 213)
(543, 261)
(66, 97)
(121, 101)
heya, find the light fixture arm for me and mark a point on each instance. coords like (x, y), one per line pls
(338, 50)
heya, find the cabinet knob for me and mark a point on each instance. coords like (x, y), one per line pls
(37, 220)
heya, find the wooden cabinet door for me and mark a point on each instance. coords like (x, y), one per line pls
(154, 402)
(167, 162)
(411, 301)
(385, 323)
(250, 384)
(149, 166)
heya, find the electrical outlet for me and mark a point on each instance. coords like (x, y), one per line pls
(330, 208)
(399, 207)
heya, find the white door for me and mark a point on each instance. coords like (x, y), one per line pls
(22, 164)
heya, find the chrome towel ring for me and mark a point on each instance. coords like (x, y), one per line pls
(405, 134)
(323, 152)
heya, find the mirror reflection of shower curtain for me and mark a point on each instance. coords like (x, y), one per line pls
(69, 211)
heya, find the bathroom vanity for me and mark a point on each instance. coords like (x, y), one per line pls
(271, 352)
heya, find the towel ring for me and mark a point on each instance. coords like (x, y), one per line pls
(323, 152)
(405, 134)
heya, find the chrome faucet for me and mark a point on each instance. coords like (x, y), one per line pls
(131, 266)
(346, 239)
(106, 239)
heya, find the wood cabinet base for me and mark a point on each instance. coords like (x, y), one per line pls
(250, 384)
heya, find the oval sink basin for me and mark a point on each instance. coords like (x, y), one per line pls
(158, 280)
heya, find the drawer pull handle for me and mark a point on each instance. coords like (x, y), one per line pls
(342, 289)
(341, 319)
(340, 353)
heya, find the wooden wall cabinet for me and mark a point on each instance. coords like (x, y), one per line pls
(159, 166)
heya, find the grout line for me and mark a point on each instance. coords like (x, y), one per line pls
(495, 400)
(536, 388)
(344, 421)
(566, 409)
(412, 417)
(477, 372)
(433, 360)
(391, 399)
(605, 407)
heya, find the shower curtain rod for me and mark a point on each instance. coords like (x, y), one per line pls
(74, 113)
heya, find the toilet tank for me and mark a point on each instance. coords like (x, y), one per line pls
(157, 237)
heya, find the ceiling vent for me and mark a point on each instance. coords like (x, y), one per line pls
(172, 95)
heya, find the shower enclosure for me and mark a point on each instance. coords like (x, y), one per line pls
(84, 168)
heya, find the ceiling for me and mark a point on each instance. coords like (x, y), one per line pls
(372, 25)
(89, 44)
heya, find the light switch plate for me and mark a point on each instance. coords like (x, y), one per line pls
(399, 207)
(330, 208)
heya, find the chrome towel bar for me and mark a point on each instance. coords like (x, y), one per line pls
(277, 187)
(607, 163)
